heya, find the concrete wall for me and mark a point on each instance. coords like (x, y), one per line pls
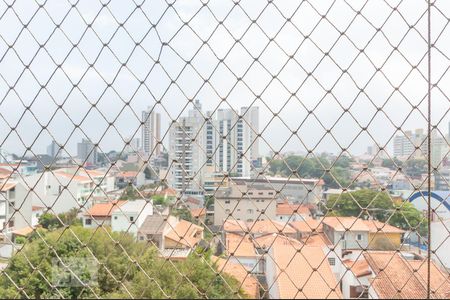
(244, 209)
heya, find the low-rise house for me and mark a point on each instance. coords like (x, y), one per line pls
(289, 212)
(346, 232)
(123, 179)
(299, 272)
(392, 276)
(100, 214)
(263, 227)
(174, 238)
(306, 227)
(241, 250)
(383, 236)
(259, 228)
(130, 216)
(249, 284)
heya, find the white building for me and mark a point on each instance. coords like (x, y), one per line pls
(14, 195)
(223, 142)
(67, 188)
(130, 216)
(151, 132)
(187, 152)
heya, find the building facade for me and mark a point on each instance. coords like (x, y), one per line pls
(87, 152)
(151, 132)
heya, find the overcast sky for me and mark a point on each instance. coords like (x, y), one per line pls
(107, 68)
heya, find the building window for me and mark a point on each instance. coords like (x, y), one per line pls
(115, 217)
(88, 222)
(227, 211)
(131, 219)
(332, 261)
(249, 220)
(227, 201)
(359, 237)
(249, 211)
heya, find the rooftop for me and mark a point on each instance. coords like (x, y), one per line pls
(104, 209)
(395, 276)
(135, 205)
(316, 279)
(239, 245)
(344, 223)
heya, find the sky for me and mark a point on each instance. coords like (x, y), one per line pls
(321, 66)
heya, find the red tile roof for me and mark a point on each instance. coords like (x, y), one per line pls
(250, 284)
(198, 212)
(269, 226)
(302, 274)
(359, 268)
(104, 209)
(307, 225)
(395, 277)
(239, 245)
(377, 226)
(344, 223)
(288, 209)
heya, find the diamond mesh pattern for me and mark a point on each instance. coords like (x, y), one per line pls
(265, 191)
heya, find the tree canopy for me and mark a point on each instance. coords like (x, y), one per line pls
(378, 205)
(335, 174)
(123, 268)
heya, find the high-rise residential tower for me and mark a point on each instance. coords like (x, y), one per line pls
(87, 152)
(151, 132)
(223, 141)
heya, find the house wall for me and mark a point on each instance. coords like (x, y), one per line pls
(271, 276)
(121, 219)
(23, 202)
(292, 218)
(104, 221)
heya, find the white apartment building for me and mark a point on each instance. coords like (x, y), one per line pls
(151, 132)
(187, 153)
(64, 189)
(405, 146)
(223, 142)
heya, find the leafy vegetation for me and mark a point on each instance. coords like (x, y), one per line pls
(335, 174)
(51, 221)
(380, 206)
(127, 269)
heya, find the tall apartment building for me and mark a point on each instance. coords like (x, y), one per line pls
(52, 149)
(87, 152)
(225, 142)
(151, 132)
(187, 154)
(233, 138)
(406, 145)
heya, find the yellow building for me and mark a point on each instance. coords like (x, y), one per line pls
(383, 236)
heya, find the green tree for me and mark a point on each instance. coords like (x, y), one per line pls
(130, 193)
(391, 163)
(126, 269)
(380, 206)
(183, 213)
(51, 221)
